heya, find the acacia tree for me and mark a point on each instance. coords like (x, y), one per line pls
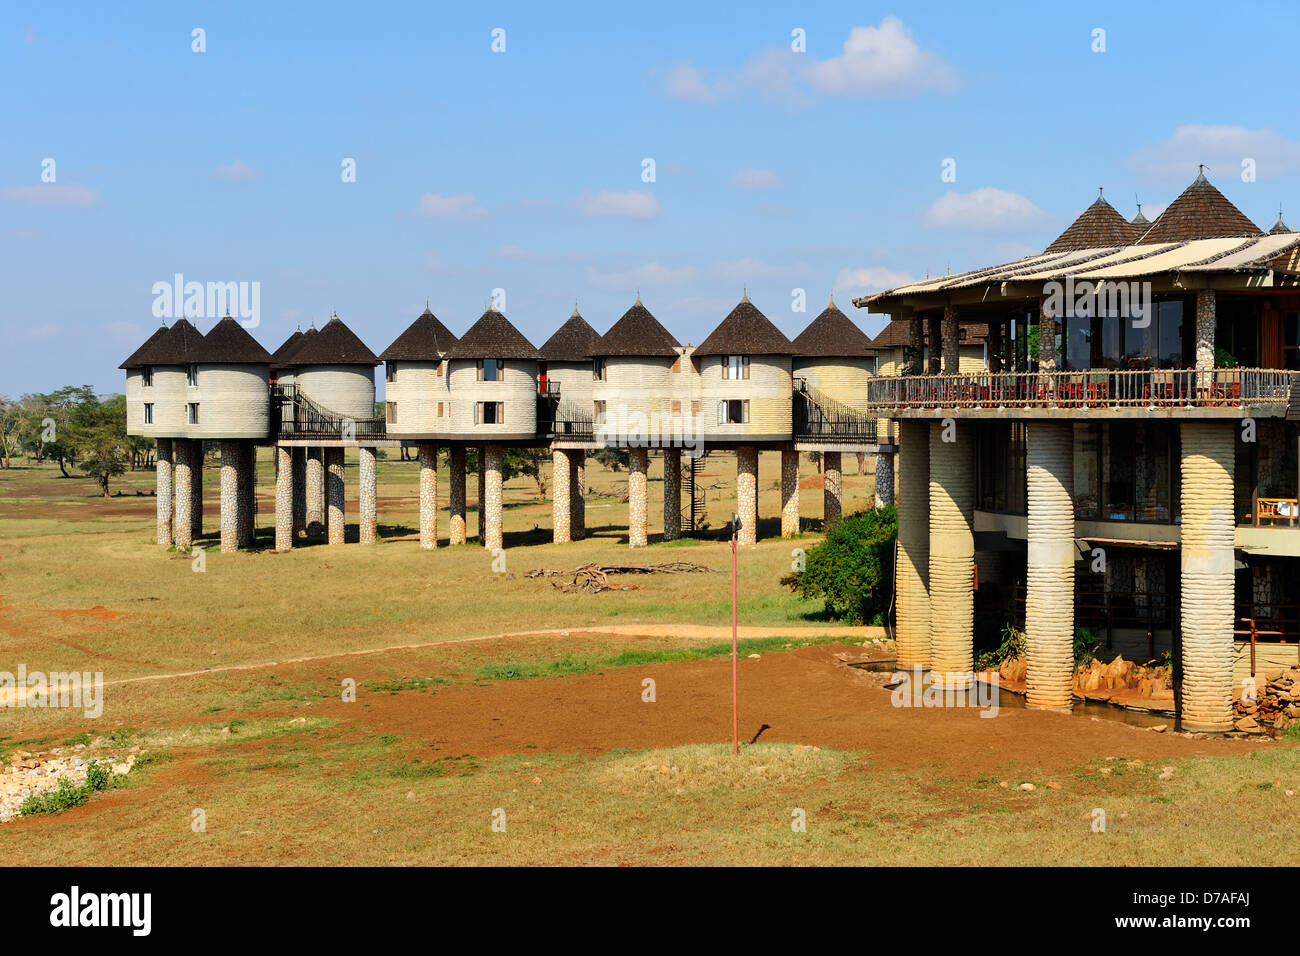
(101, 442)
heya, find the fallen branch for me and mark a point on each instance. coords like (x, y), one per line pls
(594, 578)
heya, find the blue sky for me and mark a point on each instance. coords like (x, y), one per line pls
(523, 170)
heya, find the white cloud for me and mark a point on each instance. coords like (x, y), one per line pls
(53, 194)
(748, 269)
(236, 172)
(870, 278)
(984, 210)
(632, 204)
(438, 206)
(750, 178)
(883, 60)
(125, 331)
(1222, 149)
(687, 83)
(653, 275)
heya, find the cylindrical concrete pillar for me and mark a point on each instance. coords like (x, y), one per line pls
(163, 476)
(672, 494)
(952, 547)
(182, 493)
(789, 493)
(1207, 574)
(429, 495)
(246, 507)
(1049, 574)
(832, 489)
(315, 492)
(884, 479)
(456, 495)
(561, 496)
(747, 494)
(232, 463)
(285, 499)
(638, 462)
(335, 493)
(196, 488)
(299, 490)
(912, 573)
(492, 461)
(482, 495)
(578, 495)
(368, 496)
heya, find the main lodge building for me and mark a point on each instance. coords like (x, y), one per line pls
(1125, 460)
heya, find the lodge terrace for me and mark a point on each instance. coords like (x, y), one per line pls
(1168, 440)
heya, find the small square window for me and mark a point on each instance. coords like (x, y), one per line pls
(677, 408)
(489, 370)
(192, 375)
(192, 413)
(146, 376)
(390, 413)
(390, 371)
(148, 413)
(600, 413)
(598, 369)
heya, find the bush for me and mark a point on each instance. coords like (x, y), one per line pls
(852, 571)
(1011, 647)
(1085, 646)
(99, 776)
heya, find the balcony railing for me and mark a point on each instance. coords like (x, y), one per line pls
(1098, 388)
(295, 415)
(817, 417)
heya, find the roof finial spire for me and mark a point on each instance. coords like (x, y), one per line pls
(575, 310)
(1200, 176)
(1101, 193)
(832, 305)
(638, 296)
(745, 295)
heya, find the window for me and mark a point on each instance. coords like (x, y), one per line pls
(390, 413)
(192, 413)
(733, 412)
(440, 415)
(489, 370)
(600, 413)
(677, 408)
(192, 375)
(146, 375)
(489, 413)
(695, 408)
(735, 367)
(598, 369)
(148, 413)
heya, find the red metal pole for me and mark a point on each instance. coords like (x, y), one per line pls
(735, 682)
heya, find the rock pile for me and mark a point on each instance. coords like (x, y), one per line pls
(26, 773)
(1149, 680)
(1275, 702)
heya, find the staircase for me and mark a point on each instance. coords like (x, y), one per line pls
(295, 415)
(818, 416)
(695, 513)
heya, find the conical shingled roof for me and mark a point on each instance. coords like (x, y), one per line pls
(1098, 225)
(1279, 228)
(141, 356)
(492, 336)
(572, 341)
(333, 344)
(425, 340)
(281, 355)
(1140, 220)
(1201, 212)
(228, 343)
(637, 333)
(745, 331)
(180, 346)
(832, 335)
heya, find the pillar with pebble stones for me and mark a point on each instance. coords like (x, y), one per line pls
(286, 482)
(789, 492)
(1206, 320)
(196, 488)
(368, 497)
(747, 494)
(482, 494)
(884, 479)
(456, 494)
(428, 453)
(912, 572)
(672, 494)
(246, 509)
(952, 547)
(934, 335)
(182, 497)
(491, 460)
(638, 463)
(163, 474)
(232, 464)
(299, 456)
(577, 495)
(832, 489)
(1049, 567)
(951, 338)
(335, 491)
(561, 497)
(1046, 336)
(315, 492)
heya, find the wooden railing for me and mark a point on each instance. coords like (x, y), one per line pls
(818, 417)
(1097, 388)
(295, 415)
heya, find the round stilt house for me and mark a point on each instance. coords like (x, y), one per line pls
(417, 390)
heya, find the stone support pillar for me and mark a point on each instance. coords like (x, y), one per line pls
(315, 492)
(368, 496)
(286, 483)
(196, 488)
(672, 494)
(182, 494)
(747, 494)
(335, 493)
(493, 503)
(456, 521)
(884, 479)
(232, 464)
(578, 495)
(561, 496)
(833, 489)
(299, 456)
(638, 463)
(789, 493)
(951, 332)
(163, 476)
(428, 453)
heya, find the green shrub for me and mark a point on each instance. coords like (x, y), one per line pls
(99, 776)
(852, 571)
(1085, 646)
(1011, 647)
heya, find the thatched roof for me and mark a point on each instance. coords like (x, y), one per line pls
(141, 356)
(572, 342)
(281, 355)
(492, 336)
(425, 340)
(637, 333)
(745, 331)
(228, 343)
(1098, 225)
(180, 346)
(1201, 212)
(333, 344)
(832, 335)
